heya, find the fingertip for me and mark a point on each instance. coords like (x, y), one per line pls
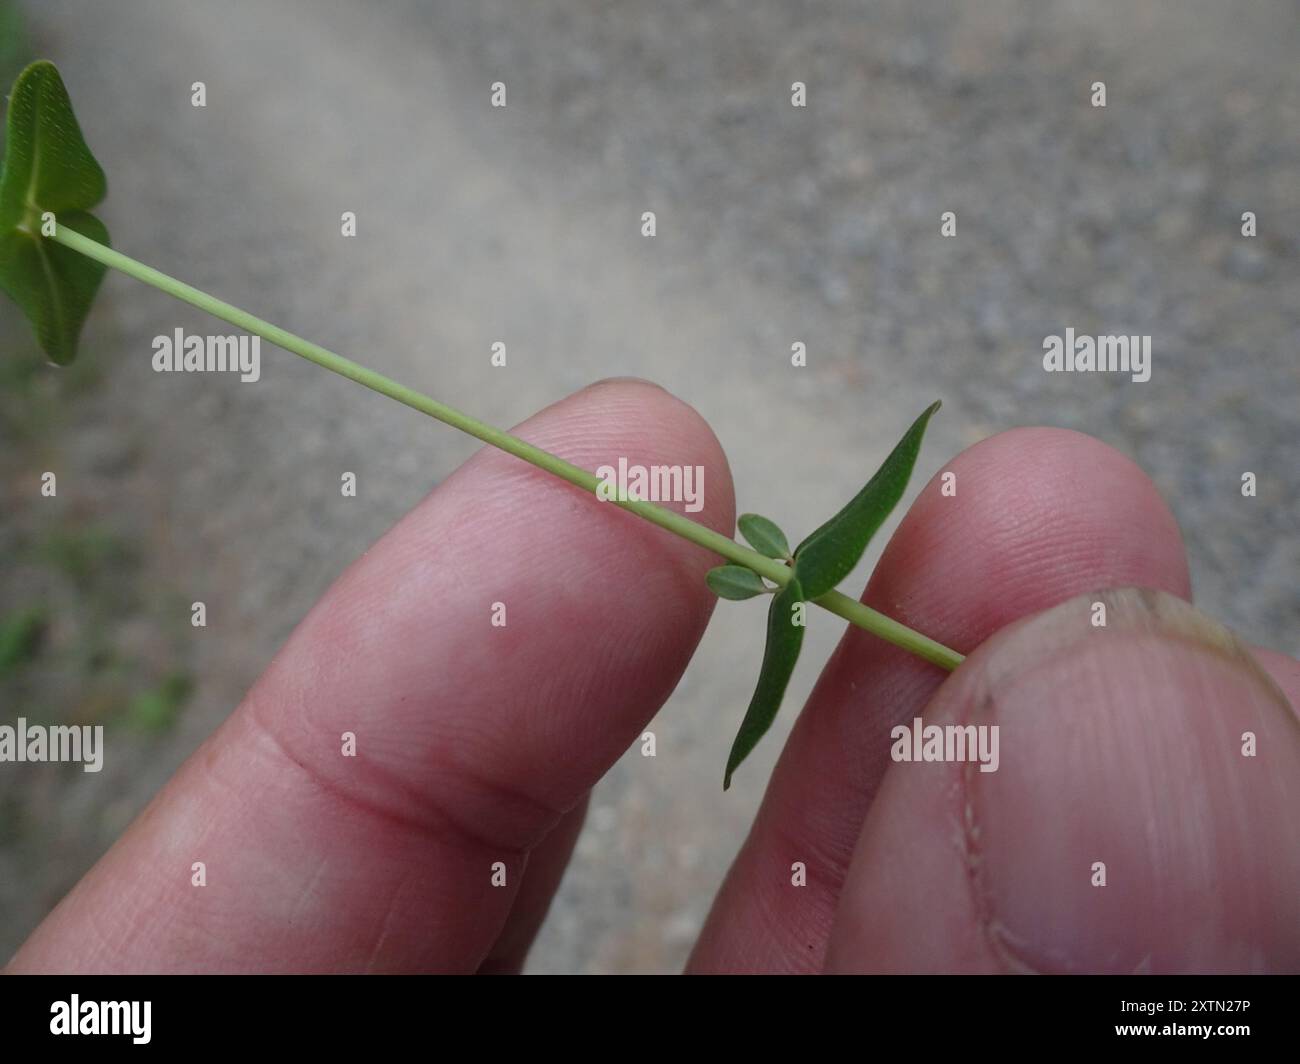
(626, 380)
(1019, 522)
(443, 706)
(641, 421)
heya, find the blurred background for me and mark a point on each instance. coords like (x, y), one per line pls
(774, 225)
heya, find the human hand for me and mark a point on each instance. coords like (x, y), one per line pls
(1120, 745)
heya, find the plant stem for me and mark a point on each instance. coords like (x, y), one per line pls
(852, 611)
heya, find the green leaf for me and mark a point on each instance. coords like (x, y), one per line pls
(53, 285)
(764, 536)
(735, 582)
(784, 639)
(47, 163)
(47, 167)
(828, 555)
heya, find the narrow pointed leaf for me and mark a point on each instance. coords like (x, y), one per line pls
(47, 167)
(735, 582)
(784, 639)
(828, 555)
(764, 536)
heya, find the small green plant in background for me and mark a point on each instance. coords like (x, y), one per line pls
(83, 554)
(66, 645)
(54, 253)
(156, 710)
(20, 637)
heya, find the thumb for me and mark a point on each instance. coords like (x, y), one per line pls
(1140, 817)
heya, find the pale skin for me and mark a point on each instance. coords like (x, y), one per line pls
(476, 745)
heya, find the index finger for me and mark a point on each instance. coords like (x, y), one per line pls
(471, 740)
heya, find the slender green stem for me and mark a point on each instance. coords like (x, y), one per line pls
(852, 611)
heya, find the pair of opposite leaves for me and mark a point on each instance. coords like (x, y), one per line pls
(819, 563)
(49, 168)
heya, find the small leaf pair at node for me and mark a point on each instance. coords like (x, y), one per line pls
(48, 169)
(737, 583)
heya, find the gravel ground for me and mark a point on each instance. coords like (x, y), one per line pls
(776, 224)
